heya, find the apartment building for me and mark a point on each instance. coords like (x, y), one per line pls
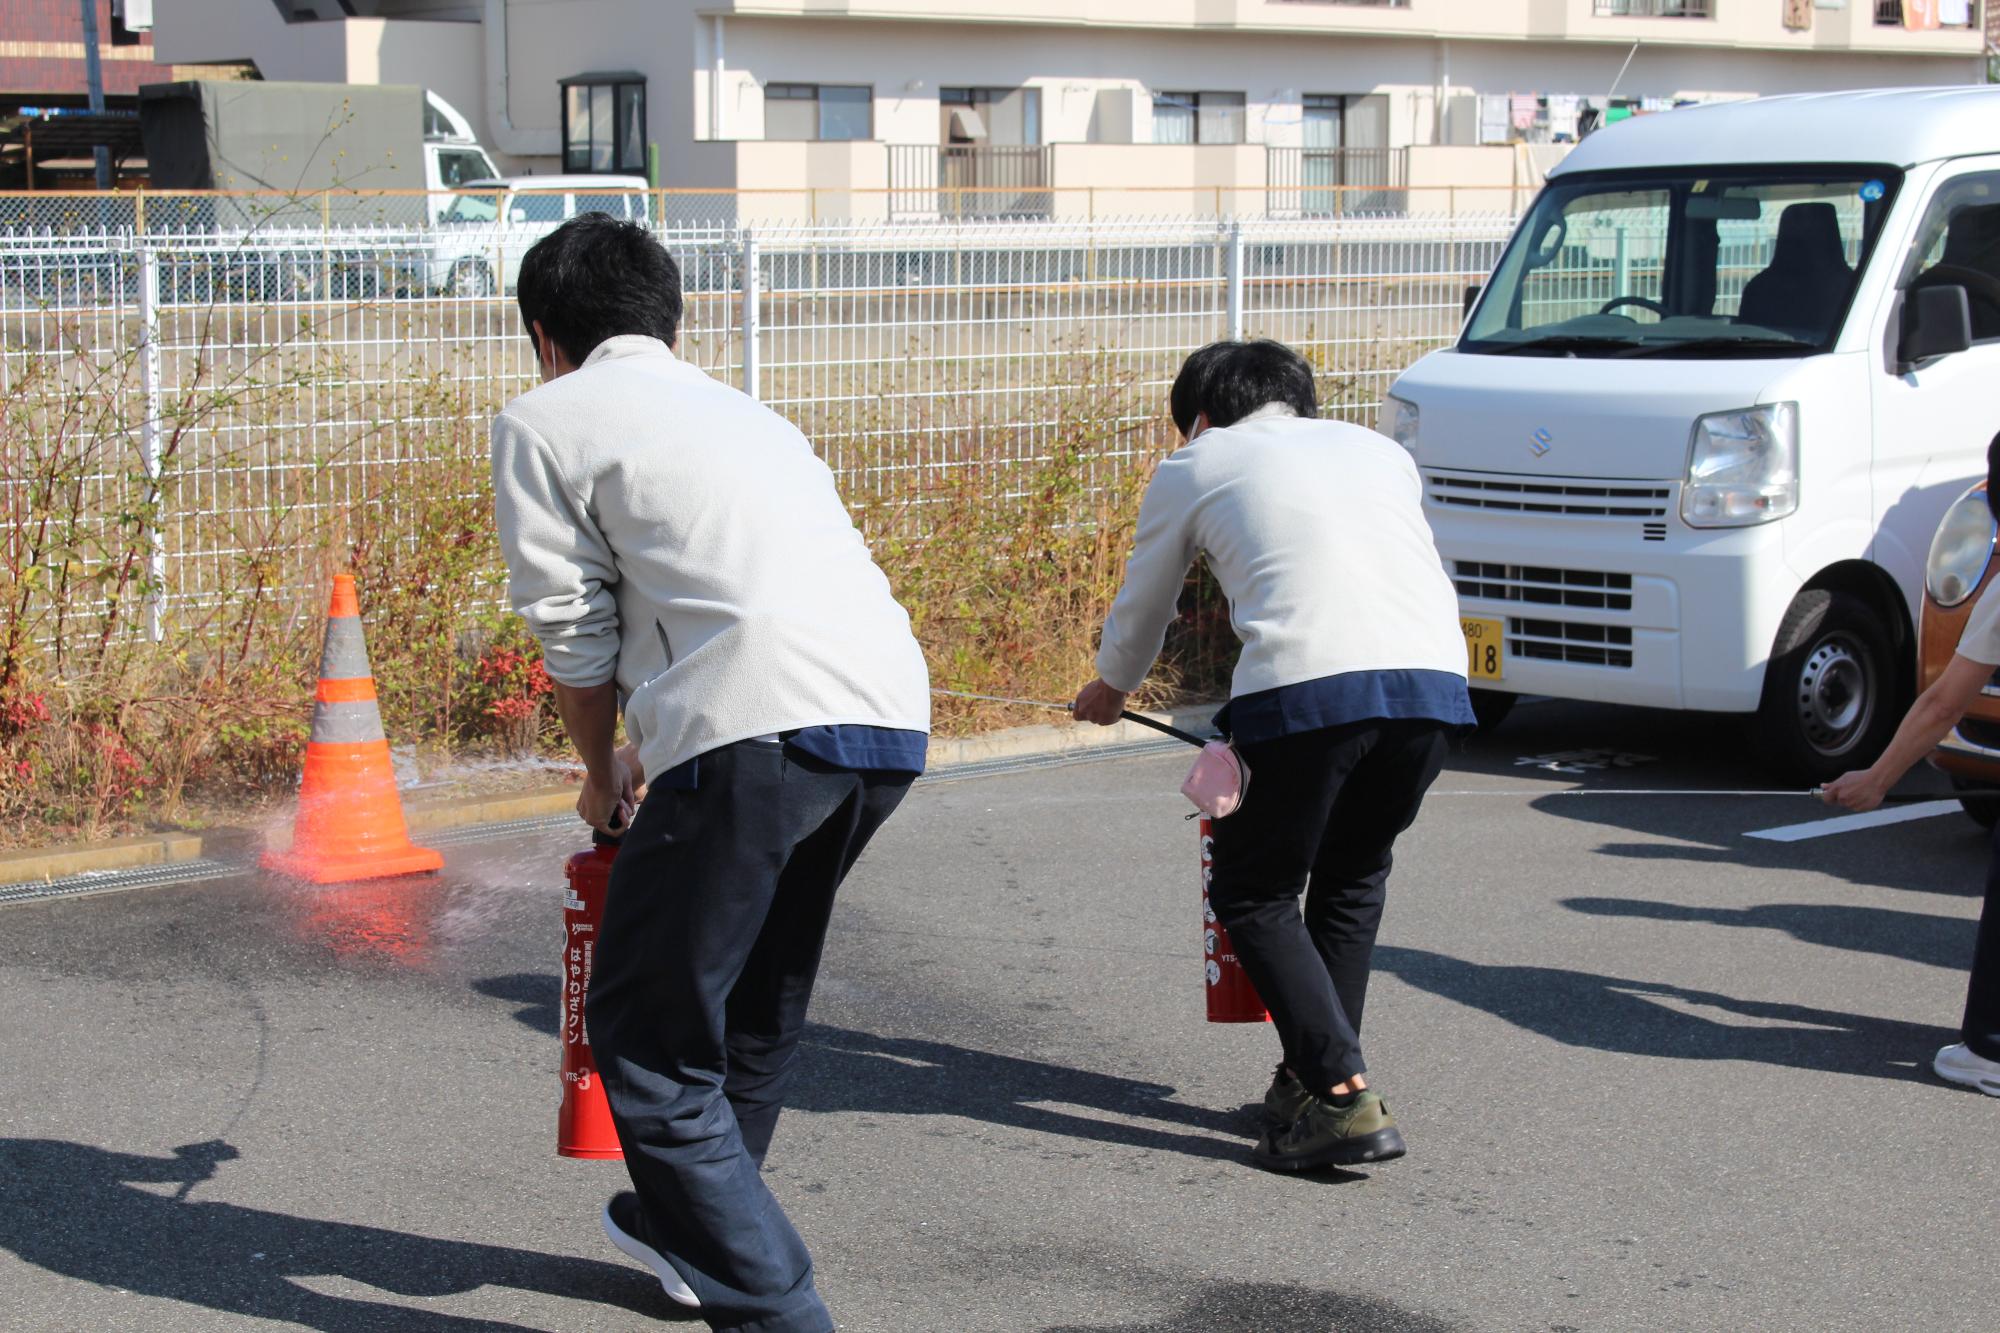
(920, 107)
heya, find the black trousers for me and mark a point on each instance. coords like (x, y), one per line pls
(1981, 1029)
(1322, 815)
(717, 913)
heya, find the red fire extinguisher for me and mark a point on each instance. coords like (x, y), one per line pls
(583, 1125)
(1231, 997)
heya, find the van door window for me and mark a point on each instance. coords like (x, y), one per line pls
(1691, 262)
(620, 205)
(1958, 245)
(536, 208)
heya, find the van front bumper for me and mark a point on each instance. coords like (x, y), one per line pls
(1604, 611)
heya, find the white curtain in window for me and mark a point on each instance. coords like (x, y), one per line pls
(1220, 118)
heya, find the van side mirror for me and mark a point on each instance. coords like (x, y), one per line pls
(1471, 300)
(1937, 321)
(517, 215)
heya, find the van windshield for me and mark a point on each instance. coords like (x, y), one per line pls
(1696, 263)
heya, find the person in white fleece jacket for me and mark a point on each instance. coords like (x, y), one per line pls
(1351, 681)
(677, 547)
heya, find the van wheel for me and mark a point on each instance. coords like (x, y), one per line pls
(1491, 707)
(1830, 690)
(474, 278)
(1980, 800)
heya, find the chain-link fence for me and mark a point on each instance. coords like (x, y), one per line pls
(203, 405)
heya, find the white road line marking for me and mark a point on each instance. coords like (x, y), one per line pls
(1822, 828)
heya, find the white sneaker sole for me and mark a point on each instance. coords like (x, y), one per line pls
(632, 1247)
(1979, 1080)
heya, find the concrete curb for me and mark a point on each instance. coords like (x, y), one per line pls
(46, 863)
(433, 814)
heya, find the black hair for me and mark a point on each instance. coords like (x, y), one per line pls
(596, 277)
(1186, 399)
(1227, 381)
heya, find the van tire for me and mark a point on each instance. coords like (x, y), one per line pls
(1491, 707)
(1831, 689)
(1979, 800)
(471, 278)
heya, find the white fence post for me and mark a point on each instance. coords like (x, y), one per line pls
(1233, 279)
(149, 437)
(751, 288)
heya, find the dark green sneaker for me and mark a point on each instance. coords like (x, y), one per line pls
(1286, 1101)
(1329, 1135)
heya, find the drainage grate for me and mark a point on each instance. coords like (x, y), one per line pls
(1029, 763)
(111, 881)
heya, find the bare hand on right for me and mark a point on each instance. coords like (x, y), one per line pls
(1859, 791)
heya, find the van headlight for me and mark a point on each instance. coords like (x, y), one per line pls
(1961, 551)
(1743, 468)
(1399, 421)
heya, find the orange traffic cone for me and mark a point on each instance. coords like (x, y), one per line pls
(350, 821)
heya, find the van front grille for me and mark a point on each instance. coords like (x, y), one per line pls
(1569, 641)
(1561, 499)
(1587, 589)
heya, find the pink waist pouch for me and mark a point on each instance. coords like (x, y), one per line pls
(1218, 782)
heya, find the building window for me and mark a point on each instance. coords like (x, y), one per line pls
(1927, 14)
(818, 111)
(1654, 9)
(999, 116)
(1198, 118)
(604, 123)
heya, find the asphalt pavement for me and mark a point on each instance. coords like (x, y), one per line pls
(1654, 1074)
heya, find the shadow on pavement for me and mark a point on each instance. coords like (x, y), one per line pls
(537, 993)
(1650, 1018)
(97, 1215)
(1271, 1307)
(1707, 752)
(844, 1070)
(1915, 937)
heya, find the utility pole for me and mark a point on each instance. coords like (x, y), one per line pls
(93, 64)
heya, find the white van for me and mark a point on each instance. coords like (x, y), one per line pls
(480, 239)
(1694, 439)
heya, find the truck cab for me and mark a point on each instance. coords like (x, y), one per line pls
(1702, 421)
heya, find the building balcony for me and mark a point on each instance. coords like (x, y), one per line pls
(1327, 182)
(786, 184)
(970, 180)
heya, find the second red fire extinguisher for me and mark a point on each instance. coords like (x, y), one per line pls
(1231, 997)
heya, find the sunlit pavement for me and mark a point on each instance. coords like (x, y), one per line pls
(1654, 1075)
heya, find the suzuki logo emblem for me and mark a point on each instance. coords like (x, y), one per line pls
(1541, 442)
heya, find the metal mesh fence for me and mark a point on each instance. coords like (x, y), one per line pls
(196, 406)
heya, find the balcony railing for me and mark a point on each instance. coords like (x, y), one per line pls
(1323, 182)
(1889, 14)
(1654, 9)
(969, 180)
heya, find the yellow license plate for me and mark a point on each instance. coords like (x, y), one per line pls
(1485, 647)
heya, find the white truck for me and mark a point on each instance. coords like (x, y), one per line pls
(302, 138)
(1701, 423)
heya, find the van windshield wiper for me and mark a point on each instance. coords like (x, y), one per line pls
(1719, 346)
(1560, 344)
